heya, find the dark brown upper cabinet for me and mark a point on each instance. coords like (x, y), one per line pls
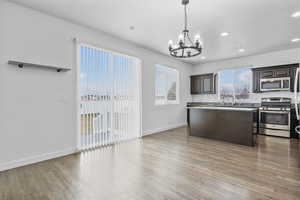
(274, 72)
(203, 84)
(267, 74)
(293, 75)
(256, 81)
(283, 72)
(195, 84)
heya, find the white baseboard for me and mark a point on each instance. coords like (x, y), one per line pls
(35, 159)
(158, 130)
(48, 156)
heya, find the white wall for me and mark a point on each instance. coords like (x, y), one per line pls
(263, 60)
(38, 107)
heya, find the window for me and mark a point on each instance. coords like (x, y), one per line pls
(235, 83)
(166, 85)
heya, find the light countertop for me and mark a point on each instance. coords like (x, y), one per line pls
(223, 108)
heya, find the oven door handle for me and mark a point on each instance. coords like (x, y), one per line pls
(296, 92)
(281, 112)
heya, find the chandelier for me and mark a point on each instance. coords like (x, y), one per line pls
(185, 48)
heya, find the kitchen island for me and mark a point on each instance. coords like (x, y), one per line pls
(230, 124)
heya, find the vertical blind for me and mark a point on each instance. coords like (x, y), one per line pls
(109, 91)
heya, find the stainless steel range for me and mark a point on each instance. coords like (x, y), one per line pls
(274, 116)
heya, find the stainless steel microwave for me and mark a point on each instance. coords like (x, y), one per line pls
(275, 84)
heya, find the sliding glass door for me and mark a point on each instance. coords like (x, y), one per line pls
(109, 97)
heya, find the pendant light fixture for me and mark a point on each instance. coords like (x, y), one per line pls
(185, 47)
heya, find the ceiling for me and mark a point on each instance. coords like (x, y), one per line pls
(257, 26)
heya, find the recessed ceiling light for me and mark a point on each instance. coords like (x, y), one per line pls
(224, 34)
(241, 50)
(296, 14)
(295, 40)
(131, 27)
(203, 57)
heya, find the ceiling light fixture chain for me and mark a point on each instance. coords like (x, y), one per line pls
(185, 47)
(185, 18)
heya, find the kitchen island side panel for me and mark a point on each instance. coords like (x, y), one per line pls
(226, 125)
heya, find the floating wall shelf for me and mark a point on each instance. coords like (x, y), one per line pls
(24, 64)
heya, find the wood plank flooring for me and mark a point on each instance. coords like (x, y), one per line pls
(164, 166)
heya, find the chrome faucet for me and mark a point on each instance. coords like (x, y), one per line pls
(233, 102)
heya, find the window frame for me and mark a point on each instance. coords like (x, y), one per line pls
(233, 82)
(166, 101)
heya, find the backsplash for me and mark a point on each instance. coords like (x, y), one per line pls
(254, 97)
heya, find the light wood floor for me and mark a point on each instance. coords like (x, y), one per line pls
(165, 166)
